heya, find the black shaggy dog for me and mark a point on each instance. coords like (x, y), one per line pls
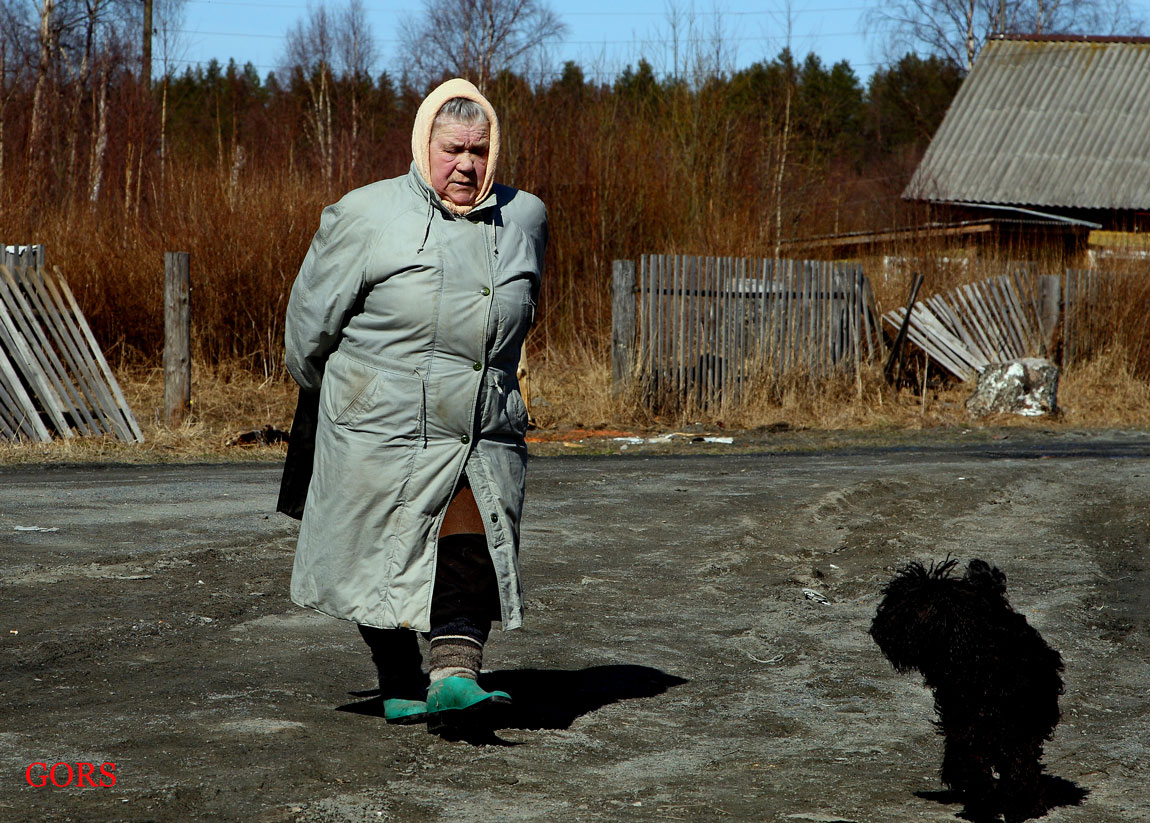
(995, 681)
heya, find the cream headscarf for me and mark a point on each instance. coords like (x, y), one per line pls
(421, 136)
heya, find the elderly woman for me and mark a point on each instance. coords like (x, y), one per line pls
(407, 317)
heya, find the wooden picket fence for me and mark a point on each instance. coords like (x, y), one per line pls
(53, 376)
(704, 327)
(1083, 326)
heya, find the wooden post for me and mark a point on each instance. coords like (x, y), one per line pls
(622, 323)
(896, 352)
(177, 337)
(1050, 308)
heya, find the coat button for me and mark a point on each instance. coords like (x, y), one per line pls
(477, 366)
(494, 517)
(465, 439)
(486, 291)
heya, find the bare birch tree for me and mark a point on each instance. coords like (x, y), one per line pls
(43, 79)
(323, 47)
(476, 39)
(357, 55)
(956, 29)
(311, 51)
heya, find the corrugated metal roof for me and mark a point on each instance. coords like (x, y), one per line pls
(1046, 121)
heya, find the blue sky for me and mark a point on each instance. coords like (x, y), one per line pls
(601, 37)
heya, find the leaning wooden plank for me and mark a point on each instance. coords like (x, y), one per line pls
(967, 302)
(12, 414)
(973, 333)
(937, 307)
(86, 380)
(1010, 331)
(946, 346)
(75, 405)
(1011, 341)
(19, 404)
(943, 340)
(21, 340)
(9, 428)
(12, 411)
(1022, 318)
(1026, 291)
(985, 320)
(927, 345)
(15, 333)
(951, 319)
(125, 409)
(85, 396)
(64, 309)
(1013, 331)
(1018, 314)
(986, 323)
(59, 395)
(916, 335)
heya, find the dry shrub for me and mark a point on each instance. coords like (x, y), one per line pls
(1105, 391)
(246, 243)
(572, 389)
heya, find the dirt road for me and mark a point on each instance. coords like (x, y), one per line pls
(672, 668)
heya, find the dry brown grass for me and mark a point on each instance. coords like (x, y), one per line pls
(1104, 392)
(226, 401)
(573, 391)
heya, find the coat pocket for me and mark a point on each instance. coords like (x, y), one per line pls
(517, 411)
(370, 400)
(504, 410)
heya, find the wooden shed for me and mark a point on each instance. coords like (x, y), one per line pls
(1048, 131)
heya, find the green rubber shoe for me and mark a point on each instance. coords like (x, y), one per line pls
(459, 702)
(404, 712)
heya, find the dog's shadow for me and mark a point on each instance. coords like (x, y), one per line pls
(551, 698)
(1053, 791)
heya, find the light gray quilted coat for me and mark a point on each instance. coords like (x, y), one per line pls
(408, 319)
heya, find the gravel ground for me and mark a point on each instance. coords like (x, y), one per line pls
(695, 649)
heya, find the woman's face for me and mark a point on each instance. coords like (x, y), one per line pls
(458, 160)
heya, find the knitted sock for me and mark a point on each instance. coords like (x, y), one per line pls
(455, 655)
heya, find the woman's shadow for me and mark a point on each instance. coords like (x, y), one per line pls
(549, 698)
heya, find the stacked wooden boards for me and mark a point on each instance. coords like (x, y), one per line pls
(54, 380)
(969, 327)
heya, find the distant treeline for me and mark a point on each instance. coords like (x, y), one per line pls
(235, 167)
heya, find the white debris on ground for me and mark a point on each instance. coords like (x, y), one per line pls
(672, 436)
